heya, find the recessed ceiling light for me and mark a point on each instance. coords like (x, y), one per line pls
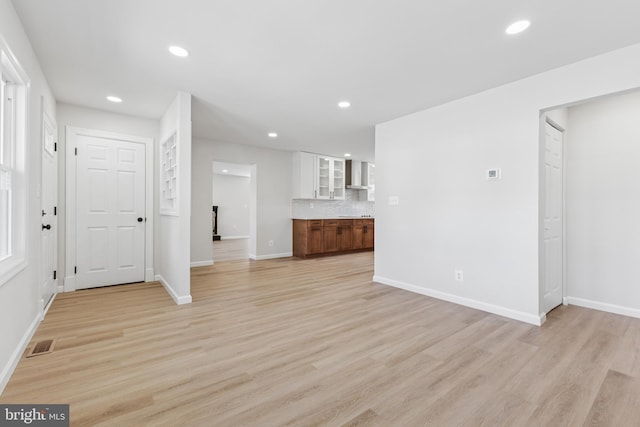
(272, 135)
(114, 99)
(225, 170)
(344, 104)
(179, 51)
(347, 154)
(518, 27)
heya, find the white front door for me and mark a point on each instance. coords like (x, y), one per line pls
(110, 211)
(553, 214)
(48, 238)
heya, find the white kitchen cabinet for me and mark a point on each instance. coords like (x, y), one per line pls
(318, 177)
(368, 180)
(304, 175)
(331, 175)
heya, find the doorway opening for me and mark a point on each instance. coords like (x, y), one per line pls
(233, 211)
(600, 204)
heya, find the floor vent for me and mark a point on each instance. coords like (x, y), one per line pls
(42, 347)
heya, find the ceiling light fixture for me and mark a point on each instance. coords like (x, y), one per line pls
(272, 135)
(225, 170)
(344, 104)
(518, 27)
(115, 99)
(179, 51)
(347, 154)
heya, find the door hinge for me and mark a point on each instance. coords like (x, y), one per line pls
(75, 270)
(54, 275)
(55, 210)
(76, 151)
(55, 146)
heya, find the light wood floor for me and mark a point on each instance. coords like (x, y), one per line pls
(315, 342)
(230, 250)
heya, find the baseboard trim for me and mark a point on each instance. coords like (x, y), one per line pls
(603, 306)
(7, 371)
(148, 275)
(49, 304)
(201, 263)
(233, 237)
(271, 256)
(178, 299)
(467, 302)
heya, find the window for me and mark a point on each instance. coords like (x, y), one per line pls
(7, 142)
(13, 89)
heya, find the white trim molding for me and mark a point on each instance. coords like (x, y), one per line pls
(467, 302)
(270, 256)
(201, 263)
(603, 306)
(179, 299)
(8, 369)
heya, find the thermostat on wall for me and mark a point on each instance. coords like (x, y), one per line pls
(493, 174)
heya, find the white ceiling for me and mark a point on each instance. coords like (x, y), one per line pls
(282, 65)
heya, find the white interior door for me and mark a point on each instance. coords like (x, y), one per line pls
(49, 191)
(553, 218)
(110, 211)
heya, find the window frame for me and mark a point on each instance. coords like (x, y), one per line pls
(16, 166)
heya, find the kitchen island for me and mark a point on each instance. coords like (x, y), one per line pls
(332, 236)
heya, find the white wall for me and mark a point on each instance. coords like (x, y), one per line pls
(20, 308)
(449, 217)
(172, 249)
(273, 196)
(89, 118)
(232, 196)
(603, 204)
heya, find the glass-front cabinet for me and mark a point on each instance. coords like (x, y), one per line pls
(330, 178)
(318, 177)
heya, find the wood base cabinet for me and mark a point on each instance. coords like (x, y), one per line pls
(315, 237)
(307, 237)
(363, 233)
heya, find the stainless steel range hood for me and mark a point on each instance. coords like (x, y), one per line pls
(354, 173)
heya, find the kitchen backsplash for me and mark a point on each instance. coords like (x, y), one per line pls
(351, 206)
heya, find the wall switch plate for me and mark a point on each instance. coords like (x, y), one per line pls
(394, 200)
(270, 243)
(310, 205)
(493, 174)
(459, 276)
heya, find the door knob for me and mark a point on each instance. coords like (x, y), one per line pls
(46, 227)
(139, 219)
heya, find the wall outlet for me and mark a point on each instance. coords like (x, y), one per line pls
(311, 205)
(270, 243)
(459, 276)
(394, 200)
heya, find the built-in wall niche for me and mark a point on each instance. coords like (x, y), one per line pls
(169, 176)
